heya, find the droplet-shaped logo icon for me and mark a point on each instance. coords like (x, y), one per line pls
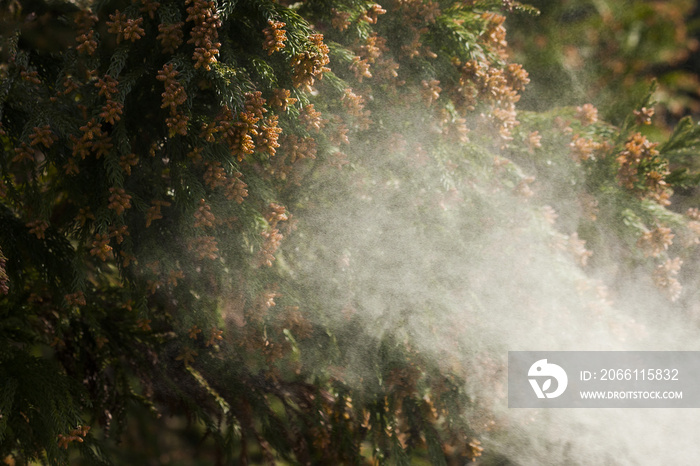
(542, 369)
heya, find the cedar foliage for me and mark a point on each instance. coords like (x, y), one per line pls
(608, 53)
(155, 157)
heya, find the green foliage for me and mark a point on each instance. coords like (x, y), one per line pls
(607, 53)
(181, 265)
